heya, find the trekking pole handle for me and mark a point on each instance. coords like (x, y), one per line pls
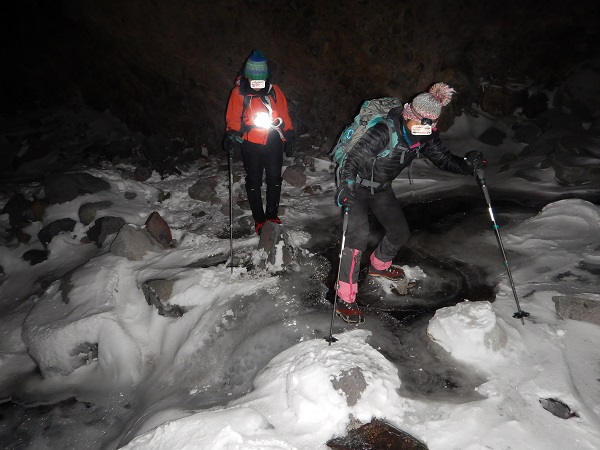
(479, 174)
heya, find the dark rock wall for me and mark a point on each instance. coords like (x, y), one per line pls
(166, 67)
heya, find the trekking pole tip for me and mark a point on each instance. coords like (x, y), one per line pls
(330, 339)
(520, 315)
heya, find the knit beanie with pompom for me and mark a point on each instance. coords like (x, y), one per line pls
(256, 67)
(429, 104)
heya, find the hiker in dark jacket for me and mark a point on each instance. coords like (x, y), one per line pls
(258, 122)
(365, 184)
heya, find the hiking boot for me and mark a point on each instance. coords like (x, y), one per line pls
(276, 220)
(258, 227)
(349, 312)
(393, 273)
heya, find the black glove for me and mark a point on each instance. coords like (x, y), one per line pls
(290, 141)
(475, 161)
(232, 140)
(345, 195)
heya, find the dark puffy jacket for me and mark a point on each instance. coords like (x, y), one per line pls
(362, 161)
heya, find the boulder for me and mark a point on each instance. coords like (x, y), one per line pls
(159, 230)
(377, 434)
(47, 233)
(104, 227)
(87, 211)
(157, 293)
(577, 307)
(294, 175)
(64, 187)
(133, 243)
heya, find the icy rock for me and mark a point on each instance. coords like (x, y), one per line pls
(104, 227)
(352, 383)
(47, 233)
(579, 308)
(63, 337)
(377, 434)
(275, 242)
(204, 190)
(133, 243)
(159, 229)
(157, 293)
(87, 211)
(468, 331)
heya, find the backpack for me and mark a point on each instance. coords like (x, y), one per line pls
(371, 112)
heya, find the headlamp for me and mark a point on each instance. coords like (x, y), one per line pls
(424, 120)
(262, 120)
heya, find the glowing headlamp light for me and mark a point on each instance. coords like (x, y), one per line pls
(262, 120)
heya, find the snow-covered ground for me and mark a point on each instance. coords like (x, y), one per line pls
(247, 365)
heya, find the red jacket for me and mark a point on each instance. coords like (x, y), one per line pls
(251, 133)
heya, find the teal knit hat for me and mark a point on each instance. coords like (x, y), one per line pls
(256, 66)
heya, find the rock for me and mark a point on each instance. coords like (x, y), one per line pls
(500, 100)
(492, 136)
(157, 293)
(142, 173)
(558, 119)
(62, 337)
(558, 408)
(87, 211)
(294, 175)
(576, 160)
(203, 190)
(133, 243)
(580, 92)
(104, 227)
(545, 142)
(352, 383)
(64, 187)
(274, 241)
(527, 131)
(47, 233)
(35, 256)
(377, 435)
(22, 211)
(535, 104)
(159, 230)
(577, 307)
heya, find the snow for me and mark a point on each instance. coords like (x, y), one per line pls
(247, 365)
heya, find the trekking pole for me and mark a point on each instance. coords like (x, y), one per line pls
(230, 208)
(330, 338)
(481, 180)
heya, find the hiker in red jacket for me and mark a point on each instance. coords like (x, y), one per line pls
(365, 185)
(258, 122)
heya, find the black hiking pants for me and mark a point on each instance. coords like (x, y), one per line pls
(386, 208)
(264, 160)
